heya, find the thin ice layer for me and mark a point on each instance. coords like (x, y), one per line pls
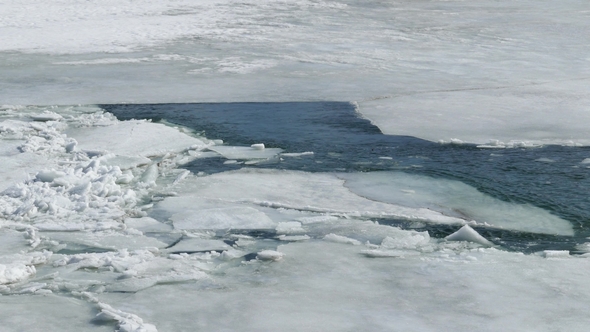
(193, 212)
(296, 190)
(454, 198)
(242, 152)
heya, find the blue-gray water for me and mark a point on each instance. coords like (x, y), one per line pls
(343, 141)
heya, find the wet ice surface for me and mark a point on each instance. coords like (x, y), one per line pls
(149, 245)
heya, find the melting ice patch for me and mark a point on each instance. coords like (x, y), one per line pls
(456, 199)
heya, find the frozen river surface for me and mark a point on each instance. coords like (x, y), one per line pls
(294, 165)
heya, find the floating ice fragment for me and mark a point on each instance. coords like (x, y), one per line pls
(290, 227)
(125, 178)
(127, 322)
(244, 152)
(257, 146)
(48, 175)
(294, 238)
(556, 253)
(545, 160)
(376, 253)
(401, 239)
(191, 212)
(300, 154)
(46, 116)
(191, 245)
(466, 233)
(70, 147)
(585, 161)
(270, 255)
(232, 254)
(341, 239)
(317, 219)
(150, 175)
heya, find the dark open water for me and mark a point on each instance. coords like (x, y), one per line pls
(343, 141)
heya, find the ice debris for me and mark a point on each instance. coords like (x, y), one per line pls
(466, 233)
(341, 239)
(270, 255)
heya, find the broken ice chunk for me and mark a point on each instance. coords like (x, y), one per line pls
(270, 255)
(290, 227)
(192, 245)
(467, 233)
(341, 239)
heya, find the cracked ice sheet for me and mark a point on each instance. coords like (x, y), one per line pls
(320, 286)
(327, 193)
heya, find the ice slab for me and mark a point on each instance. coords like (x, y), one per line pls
(341, 239)
(193, 212)
(456, 199)
(133, 139)
(243, 152)
(190, 245)
(270, 255)
(110, 241)
(315, 192)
